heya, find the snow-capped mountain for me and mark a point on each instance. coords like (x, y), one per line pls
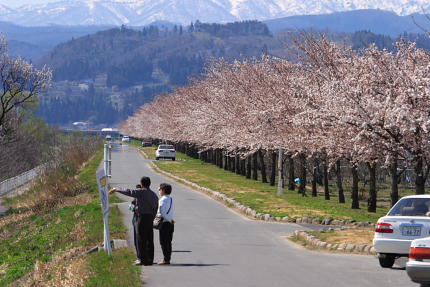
(142, 12)
(4, 10)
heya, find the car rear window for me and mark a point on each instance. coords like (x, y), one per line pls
(411, 207)
(166, 147)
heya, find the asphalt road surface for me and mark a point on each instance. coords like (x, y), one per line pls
(215, 246)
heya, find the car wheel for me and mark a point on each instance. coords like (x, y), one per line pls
(173, 159)
(424, 285)
(386, 260)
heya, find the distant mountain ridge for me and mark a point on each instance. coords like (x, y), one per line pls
(143, 12)
(376, 21)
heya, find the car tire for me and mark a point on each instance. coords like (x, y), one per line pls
(424, 285)
(386, 260)
(173, 159)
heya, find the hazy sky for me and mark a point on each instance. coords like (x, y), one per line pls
(18, 3)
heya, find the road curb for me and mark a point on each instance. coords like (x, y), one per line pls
(316, 243)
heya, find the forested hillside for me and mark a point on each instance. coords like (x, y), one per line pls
(102, 78)
(131, 57)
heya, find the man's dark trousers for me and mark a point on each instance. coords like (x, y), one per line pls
(145, 238)
(134, 222)
(166, 236)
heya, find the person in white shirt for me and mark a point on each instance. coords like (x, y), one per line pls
(165, 209)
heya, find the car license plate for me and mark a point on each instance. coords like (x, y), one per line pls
(411, 230)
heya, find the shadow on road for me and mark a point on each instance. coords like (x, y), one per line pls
(182, 251)
(398, 268)
(195, 265)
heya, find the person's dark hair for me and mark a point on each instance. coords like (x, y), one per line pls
(145, 181)
(167, 188)
(138, 186)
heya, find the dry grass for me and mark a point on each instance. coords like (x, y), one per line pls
(13, 219)
(294, 210)
(65, 270)
(353, 236)
(79, 231)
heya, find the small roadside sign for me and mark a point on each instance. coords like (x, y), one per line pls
(103, 189)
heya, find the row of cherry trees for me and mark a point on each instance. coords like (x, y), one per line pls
(329, 104)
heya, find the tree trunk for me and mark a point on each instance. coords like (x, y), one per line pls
(237, 164)
(302, 188)
(209, 159)
(262, 166)
(273, 169)
(354, 193)
(226, 163)
(232, 164)
(220, 158)
(394, 194)
(291, 175)
(314, 178)
(326, 188)
(254, 166)
(248, 167)
(243, 166)
(419, 176)
(280, 190)
(339, 183)
(371, 204)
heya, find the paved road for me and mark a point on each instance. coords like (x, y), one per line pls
(214, 246)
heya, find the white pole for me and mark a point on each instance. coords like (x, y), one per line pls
(106, 159)
(280, 176)
(107, 246)
(110, 160)
(106, 236)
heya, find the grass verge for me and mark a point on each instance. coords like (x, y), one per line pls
(262, 197)
(116, 271)
(46, 247)
(352, 236)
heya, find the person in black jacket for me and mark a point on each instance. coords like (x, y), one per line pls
(147, 205)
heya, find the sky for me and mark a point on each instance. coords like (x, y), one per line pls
(18, 3)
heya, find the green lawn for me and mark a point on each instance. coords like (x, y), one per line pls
(27, 237)
(262, 197)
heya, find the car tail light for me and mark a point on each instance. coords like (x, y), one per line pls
(419, 253)
(383, 227)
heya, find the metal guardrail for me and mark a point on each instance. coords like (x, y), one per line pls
(10, 184)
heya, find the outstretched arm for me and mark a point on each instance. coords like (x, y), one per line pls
(127, 192)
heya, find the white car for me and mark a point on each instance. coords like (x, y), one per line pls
(165, 151)
(407, 220)
(418, 266)
(126, 139)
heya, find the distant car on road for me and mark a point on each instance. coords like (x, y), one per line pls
(108, 138)
(409, 219)
(125, 139)
(165, 151)
(418, 266)
(146, 143)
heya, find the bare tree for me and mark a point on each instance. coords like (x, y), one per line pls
(20, 82)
